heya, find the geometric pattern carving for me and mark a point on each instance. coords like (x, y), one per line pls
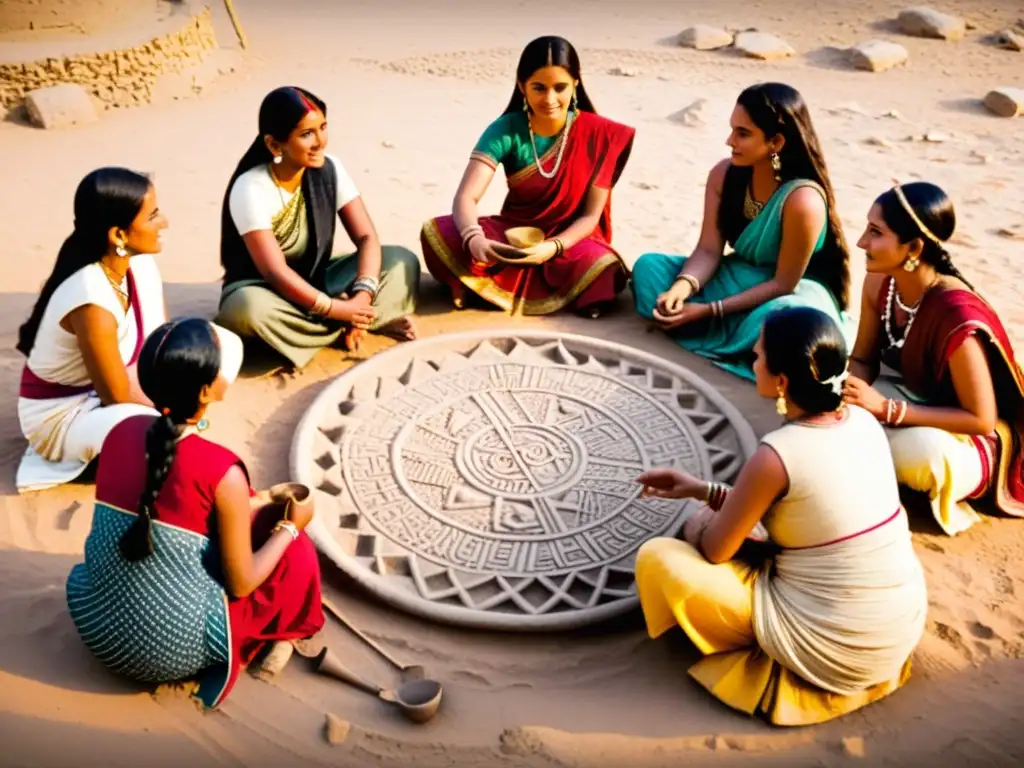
(489, 479)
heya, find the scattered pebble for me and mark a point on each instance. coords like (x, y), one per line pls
(1005, 102)
(387, 144)
(853, 746)
(927, 22)
(982, 157)
(761, 45)
(624, 71)
(644, 185)
(1010, 40)
(895, 115)
(877, 141)
(336, 730)
(878, 55)
(935, 137)
(703, 37)
(690, 116)
(60, 106)
(1012, 232)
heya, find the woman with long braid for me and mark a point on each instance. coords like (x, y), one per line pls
(187, 572)
(958, 434)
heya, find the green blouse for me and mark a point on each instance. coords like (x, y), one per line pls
(506, 142)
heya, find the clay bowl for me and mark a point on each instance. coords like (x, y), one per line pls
(524, 237)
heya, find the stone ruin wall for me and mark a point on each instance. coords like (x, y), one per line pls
(118, 78)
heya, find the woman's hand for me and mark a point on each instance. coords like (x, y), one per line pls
(859, 392)
(671, 302)
(544, 250)
(300, 513)
(671, 484)
(688, 313)
(695, 524)
(481, 250)
(356, 312)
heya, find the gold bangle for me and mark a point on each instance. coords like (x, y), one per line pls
(692, 281)
(321, 304)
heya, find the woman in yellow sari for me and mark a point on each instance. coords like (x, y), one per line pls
(827, 624)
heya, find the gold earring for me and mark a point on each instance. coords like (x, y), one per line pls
(120, 250)
(780, 403)
(911, 264)
(776, 165)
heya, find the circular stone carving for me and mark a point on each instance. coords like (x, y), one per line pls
(489, 479)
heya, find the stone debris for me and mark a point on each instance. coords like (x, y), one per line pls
(920, 21)
(878, 55)
(624, 72)
(690, 116)
(1010, 40)
(703, 37)
(761, 45)
(60, 106)
(336, 730)
(1005, 102)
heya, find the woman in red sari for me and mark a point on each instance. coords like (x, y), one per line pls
(958, 435)
(187, 572)
(561, 161)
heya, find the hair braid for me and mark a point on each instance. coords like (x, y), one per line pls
(161, 445)
(944, 266)
(840, 279)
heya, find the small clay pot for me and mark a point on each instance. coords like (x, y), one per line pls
(289, 494)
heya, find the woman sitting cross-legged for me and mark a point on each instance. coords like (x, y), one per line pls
(186, 571)
(103, 297)
(826, 625)
(959, 438)
(561, 160)
(772, 202)
(281, 282)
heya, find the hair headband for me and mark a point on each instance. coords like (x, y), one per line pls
(913, 215)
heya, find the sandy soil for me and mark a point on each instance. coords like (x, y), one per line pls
(410, 86)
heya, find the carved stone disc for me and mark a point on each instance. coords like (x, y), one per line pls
(489, 479)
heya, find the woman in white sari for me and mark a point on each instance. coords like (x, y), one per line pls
(103, 297)
(827, 624)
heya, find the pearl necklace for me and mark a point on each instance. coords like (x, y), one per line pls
(890, 300)
(561, 148)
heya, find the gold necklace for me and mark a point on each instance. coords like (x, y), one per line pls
(751, 207)
(122, 294)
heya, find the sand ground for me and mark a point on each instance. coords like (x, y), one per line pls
(410, 86)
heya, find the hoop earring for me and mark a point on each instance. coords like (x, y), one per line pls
(911, 264)
(780, 403)
(277, 159)
(776, 165)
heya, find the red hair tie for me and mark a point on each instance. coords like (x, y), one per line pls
(166, 411)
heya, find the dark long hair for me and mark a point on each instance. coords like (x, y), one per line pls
(779, 109)
(177, 360)
(106, 198)
(935, 210)
(281, 110)
(548, 51)
(806, 346)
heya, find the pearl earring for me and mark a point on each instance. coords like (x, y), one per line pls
(120, 251)
(780, 403)
(911, 264)
(277, 159)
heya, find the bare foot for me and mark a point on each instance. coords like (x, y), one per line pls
(403, 329)
(353, 338)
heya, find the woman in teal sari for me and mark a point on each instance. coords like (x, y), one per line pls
(772, 202)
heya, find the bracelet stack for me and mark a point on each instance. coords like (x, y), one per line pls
(366, 283)
(895, 412)
(287, 525)
(717, 309)
(716, 495)
(693, 281)
(559, 246)
(321, 304)
(473, 230)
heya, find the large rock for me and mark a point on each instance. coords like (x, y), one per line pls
(704, 38)
(60, 106)
(878, 55)
(1005, 102)
(927, 22)
(761, 45)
